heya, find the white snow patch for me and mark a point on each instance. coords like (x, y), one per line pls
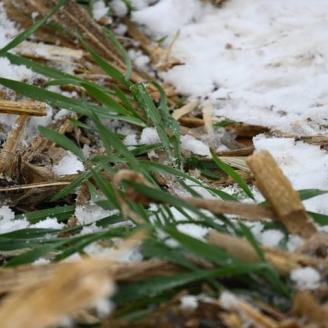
(306, 278)
(104, 307)
(99, 9)
(189, 302)
(167, 16)
(119, 7)
(7, 70)
(69, 164)
(191, 229)
(194, 145)
(149, 136)
(41, 261)
(126, 256)
(131, 140)
(91, 212)
(8, 222)
(294, 242)
(271, 237)
(261, 62)
(228, 300)
(141, 4)
(48, 223)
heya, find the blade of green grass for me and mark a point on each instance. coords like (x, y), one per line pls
(62, 140)
(233, 174)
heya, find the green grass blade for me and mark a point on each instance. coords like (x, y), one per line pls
(62, 140)
(233, 174)
(123, 53)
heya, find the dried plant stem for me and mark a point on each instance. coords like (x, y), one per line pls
(8, 152)
(283, 261)
(31, 108)
(186, 109)
(74, 286)
(248, 211)
(48, 52)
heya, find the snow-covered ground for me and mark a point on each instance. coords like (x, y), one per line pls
(260, 62)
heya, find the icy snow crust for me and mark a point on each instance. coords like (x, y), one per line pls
(263, 62)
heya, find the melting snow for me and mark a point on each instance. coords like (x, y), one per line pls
(306, 278)
(263, 62)
(69, 164)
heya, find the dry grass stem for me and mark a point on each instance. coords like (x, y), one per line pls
(8, 152)
(74, 286)
(284, 262)
(30, 108)
(186, 109)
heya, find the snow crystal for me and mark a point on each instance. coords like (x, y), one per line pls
(48, 223)
(189, 302)
(91, 212)
(127, 255)
(305, 278)
(191, 229)
(294, 242)
(120, 29)
(8, 222)
(119, 7)
(149, 136)
(99, 9)
(141, 4)
(228, 300)
(104, 307)
(139, 59)
(41, 261)
(271, 237)
(7, 70)
(195, 146)
(130, 140)
(69, 164)
(167, 16)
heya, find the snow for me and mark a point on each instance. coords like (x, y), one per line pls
(8, 222)
(306, 278)
(49, 223)
(262, 62)
(191, 229)
(90, 213)
(189, 302)
(69, 164)
(7, 70)
(306, 166)
(140, 60)
(131, 140)
(126, 256)
(119, 7)
(149, 136)
(141, 4)
(104, 307)
(167, 16)
(228, 300)
(294, 242)
(99, 9)
(195, 146)
(271, 237)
